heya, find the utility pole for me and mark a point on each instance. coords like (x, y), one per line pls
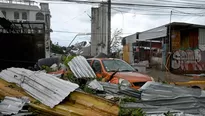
(109, 26)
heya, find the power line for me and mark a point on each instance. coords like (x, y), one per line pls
(71, 32)
(136, 4)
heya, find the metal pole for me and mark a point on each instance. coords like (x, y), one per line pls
(150, 52)
(109, 26)
(170, 31)
(72, 40)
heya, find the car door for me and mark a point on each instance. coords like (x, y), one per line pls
(96, 65)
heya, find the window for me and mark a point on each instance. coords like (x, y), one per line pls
(24, 16)
(16, 15)
(39, 16)
(4, 13)
(117, 65)
(96, 66)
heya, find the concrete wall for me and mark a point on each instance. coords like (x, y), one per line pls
(129, 40)
(94, 30)
(99, 29)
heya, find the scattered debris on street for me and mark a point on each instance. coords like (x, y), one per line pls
(71, 87)
(13, 106)
(43, 87)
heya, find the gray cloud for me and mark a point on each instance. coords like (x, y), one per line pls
(71, 18)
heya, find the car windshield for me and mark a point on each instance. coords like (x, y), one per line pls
(117, 65)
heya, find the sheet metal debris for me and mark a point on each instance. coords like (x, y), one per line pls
(46, 88)
(154, 90)
(189, 105)
(95, 85)
(80, 67)
(160, 98)
(77, 104)
(12, 105)
(115, 90)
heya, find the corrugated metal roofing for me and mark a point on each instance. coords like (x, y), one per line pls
(154, 90)
(80, 67)
(46, 88)
(160, 98)
(188, 105)
(12, 105)
(114, 89)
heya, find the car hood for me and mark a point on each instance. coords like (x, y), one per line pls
(133, 76)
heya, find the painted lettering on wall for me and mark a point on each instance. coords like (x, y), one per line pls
(188, 60)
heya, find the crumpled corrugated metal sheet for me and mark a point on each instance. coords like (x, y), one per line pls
(46, 88)
(188, 105)
(77, 104)
(160, 98)
(95, 85)
(114, 89)
(154, 90)
(80, 67)
(12, 105)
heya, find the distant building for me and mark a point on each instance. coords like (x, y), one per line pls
(179, 47)
(28, 11)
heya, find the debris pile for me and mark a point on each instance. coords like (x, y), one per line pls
(43, 87)
(13, 106)
(159, 98)
(71, 88)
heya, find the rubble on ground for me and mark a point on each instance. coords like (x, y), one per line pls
(70, 87)
(43, 87)
(14, 106)
(157, 98)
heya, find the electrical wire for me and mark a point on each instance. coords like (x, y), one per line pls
(138, 4)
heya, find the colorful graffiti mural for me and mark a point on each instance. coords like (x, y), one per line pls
(188, 60)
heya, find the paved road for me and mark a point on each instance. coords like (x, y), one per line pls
(169, 77)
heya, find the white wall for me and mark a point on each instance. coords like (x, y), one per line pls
(31, 15)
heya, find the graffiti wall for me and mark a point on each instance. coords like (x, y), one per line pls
(187, 56)
(188, 60)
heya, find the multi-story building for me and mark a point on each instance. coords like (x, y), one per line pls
(28, 11)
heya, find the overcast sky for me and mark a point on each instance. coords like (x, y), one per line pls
(74, 18)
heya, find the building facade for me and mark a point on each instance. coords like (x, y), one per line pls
(28, 11)
(178, 47)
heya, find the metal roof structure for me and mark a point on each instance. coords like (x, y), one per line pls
(161, 31)
(12, 105)
(80, 67)
(46, 88)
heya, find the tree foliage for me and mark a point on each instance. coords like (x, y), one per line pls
(55, 48)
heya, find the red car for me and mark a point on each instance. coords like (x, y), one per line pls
(118, 71)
